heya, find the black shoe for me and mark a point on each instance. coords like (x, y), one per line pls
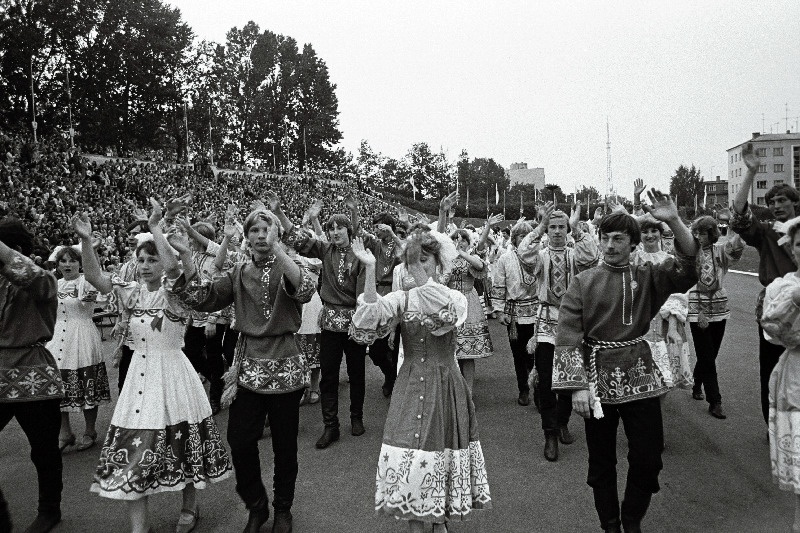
(551, 447)
(258, 517)
(698, 395)
(632, 526)
(329, 436)
(716, 411)
(283, 522)
(613, 527)
(564, 436)
(387, 389)
(44, 522)
(356, 427)
(524, 398)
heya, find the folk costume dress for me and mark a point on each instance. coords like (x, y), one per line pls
(473, 340)
(431, 465)
(162, 435)
(308, 334)
(77, 347)
(781, 324)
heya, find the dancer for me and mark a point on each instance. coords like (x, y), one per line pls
(30, 383)
(774, 260)
(268, 371)
(78, 350)
(431, 466)
(472, 340)
(554, 266)
(708, 307)
(514, 296)
(781, 323)
(342, 280)
(603, 358)
(162, 435)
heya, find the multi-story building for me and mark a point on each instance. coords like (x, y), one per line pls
(716, 192)
(520, 173)
(780, 163)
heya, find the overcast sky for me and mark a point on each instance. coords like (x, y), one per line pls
(680, 81)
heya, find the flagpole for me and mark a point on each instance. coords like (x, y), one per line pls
(504, 203)
(210, 138)
(33, 105)
(467, 201)
(186, 126)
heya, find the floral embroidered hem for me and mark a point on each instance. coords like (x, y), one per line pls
(85, 388)
(138, 462)
(431, 486)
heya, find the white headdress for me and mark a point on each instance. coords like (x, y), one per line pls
(784, 227)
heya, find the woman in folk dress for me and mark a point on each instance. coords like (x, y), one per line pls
(162, 435)
(78, 350)
(431, 466)
(781, 324)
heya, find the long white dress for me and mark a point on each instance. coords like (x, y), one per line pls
(77, 347)
(781, 323)
(162, 435)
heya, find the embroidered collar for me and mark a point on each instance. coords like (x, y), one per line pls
(342, 250)
(263, 262)
(615, 268)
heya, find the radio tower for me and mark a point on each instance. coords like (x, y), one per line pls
(609, 179)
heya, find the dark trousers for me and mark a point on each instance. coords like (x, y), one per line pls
(248, 413)
(334, 345)
(124, 364)
(555, 408)
(641, 420)
(207, 362)
(216, 356)
(523, 361)
(385, 357)
(768, 355)
(229, 344)
(706, 345)
(41, 421)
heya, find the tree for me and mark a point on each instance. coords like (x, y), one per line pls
(686, 186)
(556, 194)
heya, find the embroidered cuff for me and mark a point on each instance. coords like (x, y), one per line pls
(742, 222)
(21, 271)
(305, 291)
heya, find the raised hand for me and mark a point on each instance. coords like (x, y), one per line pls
(155, 214)
(82, 225)
(750, 158)
(614, 206)
(663, 207)
(447, 203)
(258, 205)
(361, 253)
(351, 203)
(638, 187)
(177, 205)
(495, 219)
(229, 229)
(402, 214)
(273, 201)
(179, 241)
(314, 209)
(724, 214)
(575, 215)
(598, 215)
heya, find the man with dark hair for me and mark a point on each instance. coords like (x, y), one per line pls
(775, 261)
(603, 358)
(30, 383)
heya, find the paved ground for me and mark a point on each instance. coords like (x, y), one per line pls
(716, 475)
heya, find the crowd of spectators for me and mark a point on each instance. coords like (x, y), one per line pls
(44, 184)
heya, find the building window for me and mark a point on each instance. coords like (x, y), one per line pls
(777, 152)
(762, 169)
(760, 200)
(778, 182)
(761, 152)
(761, 184)
(777, 168)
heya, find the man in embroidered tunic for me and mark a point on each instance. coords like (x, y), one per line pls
(602, 357)
(555, 266)
(267, 294)
(514, 296)
(30, 383)
(341, 281)
(775, 260)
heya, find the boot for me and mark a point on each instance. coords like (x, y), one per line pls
(564, 436)
(634, 507)
(283, 522)
(356, 427)
(612, 527)
(259, 514)
(551, 447)
(716, 410)
(329, 436)
(45, 521)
